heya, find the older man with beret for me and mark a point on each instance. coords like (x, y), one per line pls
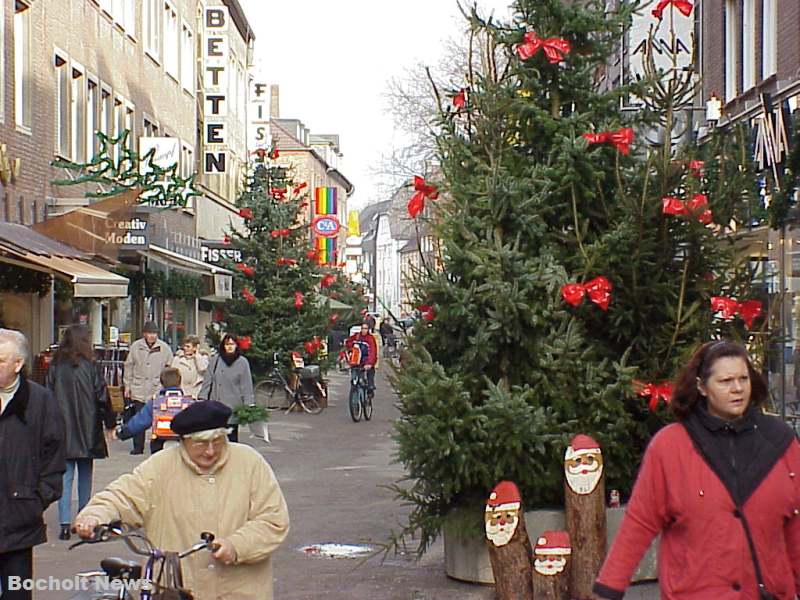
(205, 483)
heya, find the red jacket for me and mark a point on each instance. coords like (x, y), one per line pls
(703, 553)
(370, 341)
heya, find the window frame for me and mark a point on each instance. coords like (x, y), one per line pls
(171, 28)
(23, 86)
(769, 38)
(63, 116)
(732, 37)
(188, 50)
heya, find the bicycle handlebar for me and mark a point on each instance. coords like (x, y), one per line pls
(118, 529)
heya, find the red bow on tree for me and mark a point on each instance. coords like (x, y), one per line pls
(333, 318)
(327, 281)
(249, 271)
(656, 392)
(274, 154)
(246, 213)
(278, 193)
(298, 299)
(276, 233)
(417, 203)
(427, 312)
(599, 290)
(226, 240)
(621, 139)
(312, 345)
(696, 167)
(685, 6)
(286, 261)
(244, 343)
(300, 188)
(312, 254)
(697, 206)
(460, 99)
(554, 48)
(747, 310)
(248, 296)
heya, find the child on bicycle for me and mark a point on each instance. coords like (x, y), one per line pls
(369, 354)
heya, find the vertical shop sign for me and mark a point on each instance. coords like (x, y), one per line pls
(326, 210)
(215, 88)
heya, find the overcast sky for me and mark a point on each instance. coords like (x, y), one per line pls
(333, 59)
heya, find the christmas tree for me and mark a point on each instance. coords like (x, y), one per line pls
(579, 263)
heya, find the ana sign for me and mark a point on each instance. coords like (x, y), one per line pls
(326, 225)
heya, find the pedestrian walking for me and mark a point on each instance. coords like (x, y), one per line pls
(32, 451)
(722, 488)
(192, 365)
(385, 330)
(233, 493)
(147, 357)
(228, 379)
(81, 393)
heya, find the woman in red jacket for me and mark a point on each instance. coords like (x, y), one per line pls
(721, 486)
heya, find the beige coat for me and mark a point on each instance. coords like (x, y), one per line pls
(192, 371)
(143, 368)
(239, 499)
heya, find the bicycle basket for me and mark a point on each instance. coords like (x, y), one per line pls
(169, 582)
(310, 372)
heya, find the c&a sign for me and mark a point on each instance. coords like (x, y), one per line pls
(326, 226)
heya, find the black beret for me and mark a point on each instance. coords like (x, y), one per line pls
(200, 416)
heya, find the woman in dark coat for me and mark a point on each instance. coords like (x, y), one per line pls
(82, 396)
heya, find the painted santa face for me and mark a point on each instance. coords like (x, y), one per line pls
(501, 524)
(583, 469)
(550, 553)
(549, 565)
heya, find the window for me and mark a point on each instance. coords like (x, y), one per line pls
(171, 41)
(62, 105)
(118, 10)
(77, 111)
(150, 127)
(91, 119)
(129, 126)
(748, 44)
(22, 64)
(151, 27)
(731, 49)
(187, 167)
(107, 7)
(106, 112)
(2, 66)
(187, 59)
(769, 39)
(129, 17)
(119, 125)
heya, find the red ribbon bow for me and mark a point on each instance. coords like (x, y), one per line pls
(298, 299)
(245, 342)
(246, 213)
(729, 307)
(621, 139)
(460, 99)
(286, 261)
(554, 48)
(274, 154)
(696, 167)
(327, 281)
(300, 187)
(276, 233)
(278, 193)
(598, 289)
(226, 240)
(312, 345)
(312, 254)
(685, 6)
(249, 271)
(417, 203)
(427, 312)
(656, 392)
(248, 296)
(697, 206)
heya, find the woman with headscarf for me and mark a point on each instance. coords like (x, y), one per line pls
(81, 394)
(228, 379)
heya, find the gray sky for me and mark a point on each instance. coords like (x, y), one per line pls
(332, 60)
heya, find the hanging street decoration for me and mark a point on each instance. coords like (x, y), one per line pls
(598, 289)
(728, 308)
(621, 139)
(554, 48)
(655, 391)
(299, 188)
(422, 191)
(697, 207)
(684, 6)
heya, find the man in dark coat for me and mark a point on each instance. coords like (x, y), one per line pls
(32, 465)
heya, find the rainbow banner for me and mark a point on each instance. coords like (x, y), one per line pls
(326, 203)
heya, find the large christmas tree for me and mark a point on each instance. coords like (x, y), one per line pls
(579, 265)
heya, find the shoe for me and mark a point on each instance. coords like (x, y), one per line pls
(137, 451)
(64, 534)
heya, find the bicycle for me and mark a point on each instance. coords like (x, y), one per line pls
(360, 400)
(275, 393)
(127, 574)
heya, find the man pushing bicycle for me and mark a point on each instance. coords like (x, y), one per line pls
(364, 341)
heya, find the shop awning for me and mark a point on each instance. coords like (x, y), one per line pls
(22, 246)
(184, 262)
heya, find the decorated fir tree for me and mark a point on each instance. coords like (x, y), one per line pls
(579, 263)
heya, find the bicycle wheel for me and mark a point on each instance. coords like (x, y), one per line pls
(367, 401)
(271, 394)
(355, 403)
(311, 405)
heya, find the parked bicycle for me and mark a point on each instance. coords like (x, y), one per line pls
(360, 401)
(119, 577)
(308, 393)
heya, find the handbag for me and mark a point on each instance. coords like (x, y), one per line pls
(169, 582)
(763, 592)
(211, 385)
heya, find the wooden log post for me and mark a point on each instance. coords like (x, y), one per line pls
(551, 567)
(509, 546)
(585, 513)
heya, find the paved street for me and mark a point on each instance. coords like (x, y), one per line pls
(332, 472)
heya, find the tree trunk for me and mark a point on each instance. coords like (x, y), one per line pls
(511, 565)
(552, 587)
(586, 523)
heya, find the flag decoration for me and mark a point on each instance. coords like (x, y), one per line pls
(326, 203)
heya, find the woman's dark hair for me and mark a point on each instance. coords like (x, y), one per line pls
(686, 395)
(226, 337)
(75, 344)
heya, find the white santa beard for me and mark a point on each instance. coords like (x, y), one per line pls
(500, 535)
(549, 566)
(583, 483)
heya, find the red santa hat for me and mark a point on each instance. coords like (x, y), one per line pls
(504, 496)
(553, 543)
(582, 444)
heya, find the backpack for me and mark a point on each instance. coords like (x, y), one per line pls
(358, 353)
(166, 405)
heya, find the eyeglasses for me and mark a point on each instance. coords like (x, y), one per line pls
(215, 444)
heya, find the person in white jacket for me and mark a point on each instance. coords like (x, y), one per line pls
(192, 364)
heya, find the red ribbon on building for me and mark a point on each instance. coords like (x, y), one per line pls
(684, 6)
(423, 191)
(621, 139)
(697, 207)
(598, 290)
(300, 188)
(748, 310)
(554, 48)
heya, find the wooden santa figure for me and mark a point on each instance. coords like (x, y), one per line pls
(509, 547)
(551, 566)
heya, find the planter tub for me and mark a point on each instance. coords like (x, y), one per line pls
(259, 429)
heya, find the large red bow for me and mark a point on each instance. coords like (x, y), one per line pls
(554, 48)
(621, 139)
(460, 99)
(298, 299)
(249, 271)
(656, 392)
(286, 261)
(246, 213)
(327, 281)
(248, 296)
(697, 206)
(276, 233)
(729, 307)
(685, 6)
(696, 167)
(417, 203)
(427, 312)
(313, 345)
(278, 193)
(599, 290)
(244, 343)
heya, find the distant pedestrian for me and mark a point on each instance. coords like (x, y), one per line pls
(81, 394)
(147, 357)
(192, 364)
(228, 380)
(31, 462)
(370, 320)
(385, 330)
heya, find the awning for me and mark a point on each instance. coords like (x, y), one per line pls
(20, 245)
(184, 262)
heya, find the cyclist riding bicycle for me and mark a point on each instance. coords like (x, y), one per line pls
(365, 343)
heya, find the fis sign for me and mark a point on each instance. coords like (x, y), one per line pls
(215, 88)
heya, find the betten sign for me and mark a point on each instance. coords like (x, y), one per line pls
(326, 225)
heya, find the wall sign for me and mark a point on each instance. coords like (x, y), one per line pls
(215, 87)
(326, 226)
(215, 255)
(129, 234)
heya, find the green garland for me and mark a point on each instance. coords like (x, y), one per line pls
(155, 284)
(19, 280)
